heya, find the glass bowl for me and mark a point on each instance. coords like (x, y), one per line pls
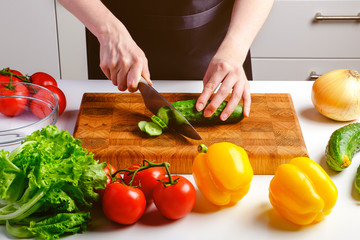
(25, 108)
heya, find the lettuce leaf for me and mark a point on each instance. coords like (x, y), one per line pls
(51, 227)
(52, 176)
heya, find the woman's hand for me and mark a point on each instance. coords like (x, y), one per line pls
(121, 60)
(225, 73)
(225, 69)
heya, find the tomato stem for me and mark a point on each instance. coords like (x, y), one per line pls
(145, 165)
(7, 72)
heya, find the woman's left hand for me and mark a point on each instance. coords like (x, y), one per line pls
(225, 73)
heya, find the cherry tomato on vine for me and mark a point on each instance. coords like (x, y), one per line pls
(123, 204)
(44, 105)
(60, 96)
(177, 200)
(4, 78)
(145, 180)
(41, 109)
(13, 106)
(109, 170)
(43, 79)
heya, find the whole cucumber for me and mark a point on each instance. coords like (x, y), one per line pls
(188, 109)
(357, 180)
(342, 145)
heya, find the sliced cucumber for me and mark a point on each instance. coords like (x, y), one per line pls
(178, 118)
(159, 122)
(141, 125)
(164, 114)
(153, 129)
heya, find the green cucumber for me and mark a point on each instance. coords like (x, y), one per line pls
(164, 113)
(159, 122)
(357, 180)
(152, 129)
(141, 125)
(188, 110)
(342, 145)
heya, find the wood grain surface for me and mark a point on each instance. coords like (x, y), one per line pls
(107, 126)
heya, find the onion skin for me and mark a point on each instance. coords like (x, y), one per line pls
(336, 95)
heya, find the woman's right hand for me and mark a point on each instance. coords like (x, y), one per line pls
(121, 59)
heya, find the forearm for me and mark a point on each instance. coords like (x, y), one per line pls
(247, 18)
(94, 15)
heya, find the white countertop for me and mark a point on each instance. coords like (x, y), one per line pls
(251, 218)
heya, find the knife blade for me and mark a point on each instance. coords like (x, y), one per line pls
(154, 101)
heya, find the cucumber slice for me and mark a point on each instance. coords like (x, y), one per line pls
(178, 118)
(163, 114)
(159, 122)
(152, 129)
(141, 125)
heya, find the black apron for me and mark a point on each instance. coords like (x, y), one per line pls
(178, 37)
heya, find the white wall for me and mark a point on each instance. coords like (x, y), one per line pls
(28, 39)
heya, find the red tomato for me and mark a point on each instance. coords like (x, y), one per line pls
(146, 179)
(13, 106)
(177, 200)
(14, 79)
(123, 204)
(43, 79)
(109, 170)
(41, 109)
(60, 96)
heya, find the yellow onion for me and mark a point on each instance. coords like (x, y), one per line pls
(336, 95)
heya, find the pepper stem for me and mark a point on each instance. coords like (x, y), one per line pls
(202, 148)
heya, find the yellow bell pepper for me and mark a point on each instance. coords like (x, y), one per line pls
(302, 192)
(223, 173)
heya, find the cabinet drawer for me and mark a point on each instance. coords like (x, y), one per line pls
(298, 69)
(291, 31)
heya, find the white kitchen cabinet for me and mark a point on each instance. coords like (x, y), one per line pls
(72, 45)
(28, 40)
(292, 44)
(298, 68)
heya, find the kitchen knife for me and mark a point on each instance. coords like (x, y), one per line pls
(154, 101)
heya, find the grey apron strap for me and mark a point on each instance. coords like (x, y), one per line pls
(178, 42)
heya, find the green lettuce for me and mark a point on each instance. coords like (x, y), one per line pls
(47, 185)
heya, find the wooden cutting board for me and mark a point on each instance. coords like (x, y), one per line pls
(107, 126)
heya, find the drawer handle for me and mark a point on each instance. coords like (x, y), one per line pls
(313, 75)
(320, 17)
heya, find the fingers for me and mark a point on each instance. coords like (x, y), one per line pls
(106, 70)
(110, 67)
(233, 101)
(127, 73)
(212, 79)
(247, 100)
(123, 62)
(146, 74)
(227, 80)
(227, 85)
(134, 75)
(239, 92)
